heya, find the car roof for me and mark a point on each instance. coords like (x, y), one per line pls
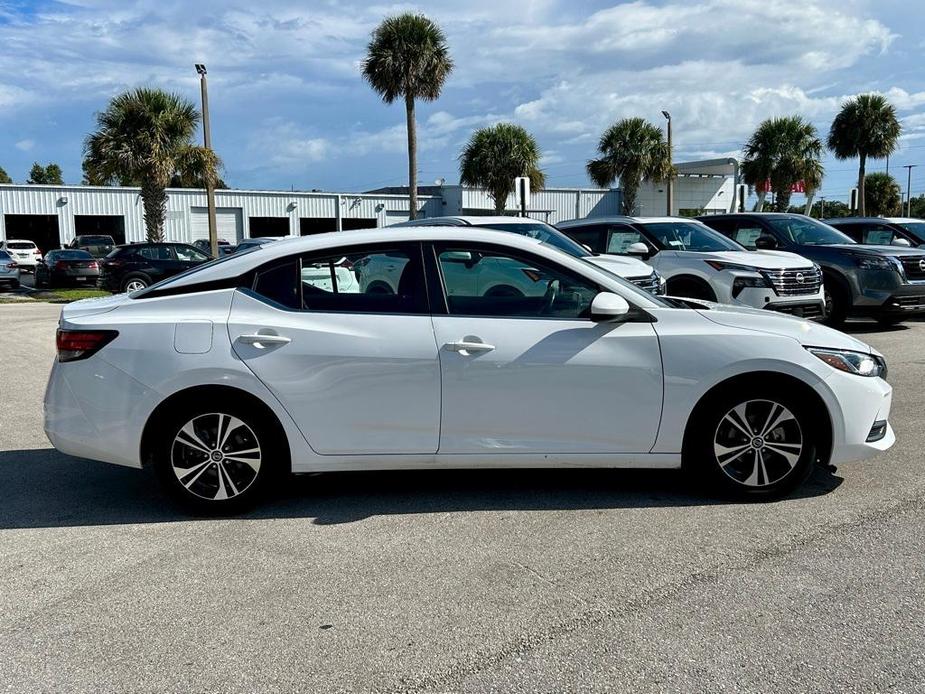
(855, 220)
(20, 241)
(611, 219)
(234, 264)
(466, 220)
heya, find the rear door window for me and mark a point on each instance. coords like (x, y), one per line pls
(375, 280)
(621, 236)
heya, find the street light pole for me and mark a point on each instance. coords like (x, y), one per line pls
(207, 140)
(908, 168)
(670, 190)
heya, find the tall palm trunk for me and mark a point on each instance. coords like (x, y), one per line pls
(861, 167)
(782, 200)
(808, 209)
(629, 198)
(154, 202)
(412, 157)
(759, 206)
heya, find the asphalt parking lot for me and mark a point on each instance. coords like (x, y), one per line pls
(458, 581)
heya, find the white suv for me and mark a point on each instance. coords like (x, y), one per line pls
(629, 268)
(700, 263)
(26, 254)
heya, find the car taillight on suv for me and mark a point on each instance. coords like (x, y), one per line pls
(80, 344)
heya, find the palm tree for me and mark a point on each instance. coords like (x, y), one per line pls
(145, 138)
(4, 176)
(495, 156)
(408, 57)
(882, 194)
(865, 127)
(633, 150)
(782, 152)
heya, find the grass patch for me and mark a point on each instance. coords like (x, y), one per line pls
(64, 296)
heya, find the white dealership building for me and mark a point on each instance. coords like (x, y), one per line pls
(53, 215)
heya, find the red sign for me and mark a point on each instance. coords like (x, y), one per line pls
(798, 187)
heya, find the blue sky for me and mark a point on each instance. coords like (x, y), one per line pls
(289, 108)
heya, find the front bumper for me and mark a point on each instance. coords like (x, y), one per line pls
(860, 408)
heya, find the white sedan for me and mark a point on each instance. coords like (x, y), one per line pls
(246, 368)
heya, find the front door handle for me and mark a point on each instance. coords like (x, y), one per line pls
(466, 347)
(262, 341)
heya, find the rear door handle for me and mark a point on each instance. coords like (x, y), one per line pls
(466, 348)
(261, 341)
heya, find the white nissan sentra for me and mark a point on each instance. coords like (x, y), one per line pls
(262, 363)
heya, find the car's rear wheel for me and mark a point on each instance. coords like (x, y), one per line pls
(837, 300)
(217, 459)
(760, 444)
(134, 283)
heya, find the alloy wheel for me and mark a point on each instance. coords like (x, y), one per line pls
(216, 456)
(758, 443)
(135, 285)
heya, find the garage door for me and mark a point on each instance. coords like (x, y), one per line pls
(227, 222)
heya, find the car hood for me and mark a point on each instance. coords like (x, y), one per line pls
(621, 265)
(877, 249)
(805, 332)
(765, 260)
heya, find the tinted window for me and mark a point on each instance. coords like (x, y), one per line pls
(70, 255)
(544, 233)
(5, 256)
(876, 233)
(374, 281)
(190, 254)
(689, 236)
(488, 283)
(95, 240)
(620, 237)
(20, 245)
(917, 229)
(747, 233)
(587, 236)
(155, 253)
(804, 230)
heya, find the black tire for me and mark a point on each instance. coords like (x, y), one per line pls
(691, 289)
(764, 465)
(131, 280)
(195, 472)
(14, 284)
(837, 302)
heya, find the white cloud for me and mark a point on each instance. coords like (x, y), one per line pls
(25, 145)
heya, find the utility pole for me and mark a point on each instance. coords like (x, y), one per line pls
(207, 140)
(908, 168)
(822, 207)
(670, 190)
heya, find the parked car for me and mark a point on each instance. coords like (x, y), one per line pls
(224, 247)
(9, 271)
(629, 268)
(24, 252)
(883, 282)
(881, 231)
(700, 264)
(97, 245)
(236, 372)
(131, 267)
(256, 241)
(66, 266)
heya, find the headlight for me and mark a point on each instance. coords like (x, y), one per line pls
(721, 265)
(851, 362)
(874, 262)
(740, 283)
(662, 284)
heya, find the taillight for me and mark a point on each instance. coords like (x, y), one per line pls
(80, 344)
(93, 265)
(60, 265)
(12, 265)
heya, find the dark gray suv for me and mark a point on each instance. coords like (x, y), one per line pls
(882, 282)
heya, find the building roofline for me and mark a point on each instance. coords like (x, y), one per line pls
(220, 191)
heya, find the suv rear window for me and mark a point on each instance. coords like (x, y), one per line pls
(21, 245)
(95, 240)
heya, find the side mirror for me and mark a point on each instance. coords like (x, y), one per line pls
(637, 248)
(588, 248)
(765, 242)
(900, 241)
(457, 256)
(608, 307)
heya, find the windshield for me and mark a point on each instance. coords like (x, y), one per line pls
(96, 239)
(807, 231)
(689, 236)
(72, 255)
(543, 233)
(917, 229)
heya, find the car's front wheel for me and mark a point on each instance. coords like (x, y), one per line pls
(217, 459)
(760, 444)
